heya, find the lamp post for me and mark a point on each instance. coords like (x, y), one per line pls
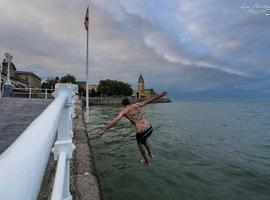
(8, 58)
(8, 88)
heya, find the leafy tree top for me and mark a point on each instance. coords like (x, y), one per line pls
(68, 79)
(114, 88)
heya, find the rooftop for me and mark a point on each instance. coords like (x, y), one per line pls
(27, 73)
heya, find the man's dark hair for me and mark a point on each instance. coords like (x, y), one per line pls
(125, 102)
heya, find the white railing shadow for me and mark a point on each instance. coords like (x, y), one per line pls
(23, 164)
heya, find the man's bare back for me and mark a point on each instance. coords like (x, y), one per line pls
(136, 117)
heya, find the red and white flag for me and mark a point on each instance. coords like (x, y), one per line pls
(86, 20)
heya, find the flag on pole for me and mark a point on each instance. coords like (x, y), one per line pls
(86, 20)
(86, 24)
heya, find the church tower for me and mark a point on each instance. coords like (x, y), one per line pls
(140, 83)
(142, 92)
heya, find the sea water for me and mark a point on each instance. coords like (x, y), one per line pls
(202, 150)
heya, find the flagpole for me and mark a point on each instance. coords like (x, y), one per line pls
(87, 63)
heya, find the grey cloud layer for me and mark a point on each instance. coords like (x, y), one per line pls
(178, 45)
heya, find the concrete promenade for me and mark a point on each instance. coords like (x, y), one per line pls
(84, 180)
(15, 115)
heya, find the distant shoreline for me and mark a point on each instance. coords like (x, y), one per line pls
(118, 100)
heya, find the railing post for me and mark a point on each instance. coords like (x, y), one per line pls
(46, 93)
(72, 113)
(30, 93)
(63, 147)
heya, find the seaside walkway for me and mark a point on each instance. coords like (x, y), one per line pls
(15, 115)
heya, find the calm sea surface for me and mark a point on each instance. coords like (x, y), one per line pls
(203, 151)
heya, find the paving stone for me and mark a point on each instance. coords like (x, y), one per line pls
(15, 115)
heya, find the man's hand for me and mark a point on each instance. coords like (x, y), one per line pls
(163, 94)
(99, 134)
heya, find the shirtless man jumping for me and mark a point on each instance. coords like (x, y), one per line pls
(143, 127)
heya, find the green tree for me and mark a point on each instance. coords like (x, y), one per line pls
(93, 93)
(49, 83)
(114, 88)
(68, 79)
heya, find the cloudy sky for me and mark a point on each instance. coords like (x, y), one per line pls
(191, 48)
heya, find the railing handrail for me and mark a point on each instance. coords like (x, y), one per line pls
(23, 164)
(33, 91)
(38, 89)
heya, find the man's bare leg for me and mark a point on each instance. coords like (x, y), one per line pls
(148, 149)
(143, 151)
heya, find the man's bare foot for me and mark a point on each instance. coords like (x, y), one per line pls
(144, 163)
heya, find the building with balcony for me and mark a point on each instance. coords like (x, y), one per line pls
(33, 81)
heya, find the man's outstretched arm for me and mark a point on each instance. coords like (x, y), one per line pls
(153, 98)
(111, 124)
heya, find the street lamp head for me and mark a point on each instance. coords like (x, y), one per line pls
(8, 56)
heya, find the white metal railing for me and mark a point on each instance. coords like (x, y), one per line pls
(33, 92)
(23, 164)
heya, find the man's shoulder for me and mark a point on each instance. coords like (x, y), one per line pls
(126, 109)
(129, 108)
(139, 104)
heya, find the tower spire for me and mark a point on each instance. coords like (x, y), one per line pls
(140, 82)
